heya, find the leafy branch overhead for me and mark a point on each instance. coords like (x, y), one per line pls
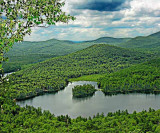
(18, 16)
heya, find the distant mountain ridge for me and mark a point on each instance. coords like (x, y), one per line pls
(32, 52)
(145, 43)
(109, 40)
(157, 34)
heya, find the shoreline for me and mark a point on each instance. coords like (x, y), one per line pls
(109, 93)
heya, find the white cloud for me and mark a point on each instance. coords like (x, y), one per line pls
(137, 17)
(143, 8)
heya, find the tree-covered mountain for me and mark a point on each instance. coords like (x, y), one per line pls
(52, 75)
(109, 40)
(149, 43)
(157, 35)
(32, 52)
(144, 77)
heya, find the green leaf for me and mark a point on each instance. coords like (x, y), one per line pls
(16, 40)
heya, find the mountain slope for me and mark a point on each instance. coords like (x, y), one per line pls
(109, 40)
(32, 52)
(157, 35)
(143, 77)
(147, 43)
(141, 42)
(51, 75)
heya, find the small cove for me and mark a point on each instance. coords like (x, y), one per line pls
(62, 102)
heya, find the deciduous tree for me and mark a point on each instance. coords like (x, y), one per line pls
(18, 16)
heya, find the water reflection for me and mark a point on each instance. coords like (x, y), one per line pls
(82, 99)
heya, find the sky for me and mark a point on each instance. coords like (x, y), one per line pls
(103, 18)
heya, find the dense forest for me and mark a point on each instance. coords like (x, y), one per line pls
(26, 53)
(143, 77)
(52, 75)
(149, 43)
(80, 91)
(109, 40)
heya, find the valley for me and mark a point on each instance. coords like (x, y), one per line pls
(125, 70)
(25, 53)
(52, 75)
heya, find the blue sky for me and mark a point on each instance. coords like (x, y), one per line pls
(100, 18)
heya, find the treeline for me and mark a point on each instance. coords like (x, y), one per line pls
(143, 77)
(52, 75)
(144, 43)
(80, 91)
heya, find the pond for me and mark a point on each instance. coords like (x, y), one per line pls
(62, 102)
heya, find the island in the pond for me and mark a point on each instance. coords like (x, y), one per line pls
(86, 90)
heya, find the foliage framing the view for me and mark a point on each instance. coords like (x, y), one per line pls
(18, 16)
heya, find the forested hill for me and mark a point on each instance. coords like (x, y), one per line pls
(157, 35)
(32, 52)
(109, 40)
(51, 75)
(149, 43)
(144, 77)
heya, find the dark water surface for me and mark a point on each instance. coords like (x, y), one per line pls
(62, 102)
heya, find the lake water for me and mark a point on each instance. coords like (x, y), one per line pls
(62, 102)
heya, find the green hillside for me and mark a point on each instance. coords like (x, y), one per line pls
(157, 35)
(32, 52)
(110, 40)
(144, 43)
(143, 77)
(52, 74)
(141, 42)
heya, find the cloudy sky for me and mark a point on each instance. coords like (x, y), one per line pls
(100, 18)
